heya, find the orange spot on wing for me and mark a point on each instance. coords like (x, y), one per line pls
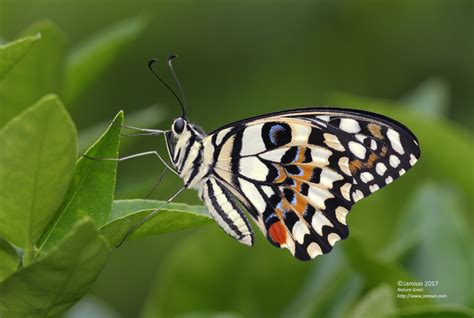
(300, 205)
(307, 172)
(371, 160)
(297, 186)
(301, 151)
(355, 165)
(300, 201)
(375, 130)
(277, 233)
(285, 205)
(281, 174)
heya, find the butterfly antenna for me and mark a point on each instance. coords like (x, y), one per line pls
(170, 64)
(150, 67)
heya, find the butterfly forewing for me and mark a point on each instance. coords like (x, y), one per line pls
(299, 172)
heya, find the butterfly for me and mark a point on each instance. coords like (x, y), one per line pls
(297, 173)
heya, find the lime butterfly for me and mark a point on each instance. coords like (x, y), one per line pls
(297, 173)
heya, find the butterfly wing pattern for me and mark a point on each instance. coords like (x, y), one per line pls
(223, 208)
(298, 173)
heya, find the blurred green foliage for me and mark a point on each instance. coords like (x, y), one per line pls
(410, 60)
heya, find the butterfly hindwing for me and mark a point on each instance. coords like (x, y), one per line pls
(225, 211)
(298, 173)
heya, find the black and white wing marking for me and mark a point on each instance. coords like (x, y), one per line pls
(298, 173)
(225, 211)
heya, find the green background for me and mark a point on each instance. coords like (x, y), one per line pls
(411, 60)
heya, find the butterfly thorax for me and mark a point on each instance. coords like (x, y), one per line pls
(186, 151)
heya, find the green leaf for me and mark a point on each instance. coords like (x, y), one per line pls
(92, 57)
(9, 259)
(37, 74)
(53, 283)
(92, 190)
(11, 53)
(123, 208)
(378, 302)
(174, 217)
(144, 118)
(38, 150)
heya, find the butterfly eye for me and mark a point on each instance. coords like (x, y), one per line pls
(178, 125)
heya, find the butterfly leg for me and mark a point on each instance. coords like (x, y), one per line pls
(149, 216)
(148, 131)
(139, 134)
(141, 154)
(160, 178)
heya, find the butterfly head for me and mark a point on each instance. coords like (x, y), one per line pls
(182, 135)
(178, 126)
(182, 128)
